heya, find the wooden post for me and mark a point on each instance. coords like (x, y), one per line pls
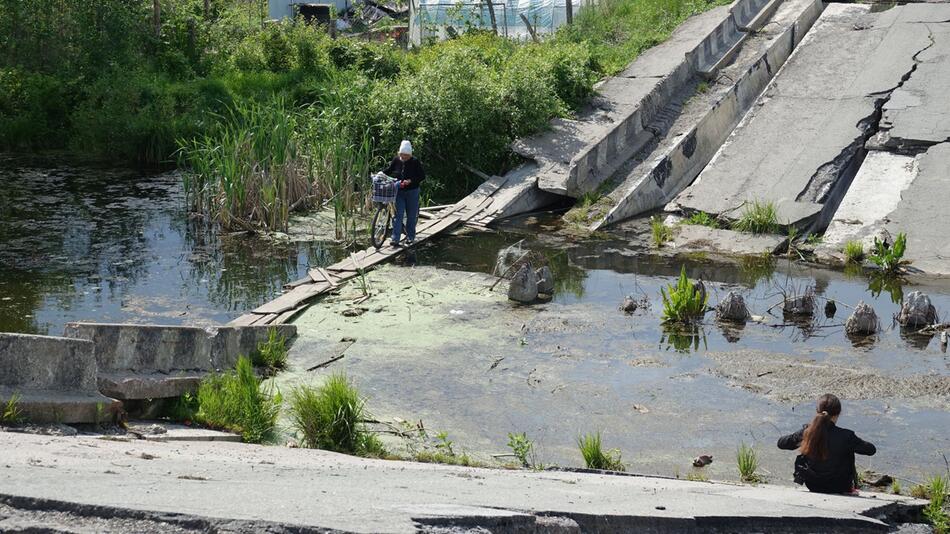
(491, 13)
(157, 17)
(570, 11)
(534, 36)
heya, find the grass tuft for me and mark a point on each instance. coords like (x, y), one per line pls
(854, 251)
(684, 302)
(332, 417)
(758, 218)
(594, 455)
(11, 413)
(240, 402)
(896, 487)
(661, 232)
(271, 355)
(936, 511)
(701, 218)
(748, 462)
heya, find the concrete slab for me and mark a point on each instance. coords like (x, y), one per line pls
(693, 237)
(158, 361)
(799, 145)
(54, 379)
(327, 490)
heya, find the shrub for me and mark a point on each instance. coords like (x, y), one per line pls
(758, 218)
(889, 257)
(853, 251)
(661, 232)
(702, 218)
(522, 447)
(272, 354)
(331, 417)
(11, 413)
(238, 401)
(683, 302)
(748, 463)
(594, 455)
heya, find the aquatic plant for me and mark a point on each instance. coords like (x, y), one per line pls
(747, 460)
(594, 455)
(271, 354)
(11, 413)
(661, 232)
(853, 252)
(684, 302)
(240, 402)
(757, 218)
(702, 218)
(935, 512)
(522, 447)
(889, 257)
(331, 417)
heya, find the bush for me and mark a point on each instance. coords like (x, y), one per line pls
(594, 455)
(332, 417)
(238, 401)
(758, 218)
(889, 257)
(683, 302)
(853, 251)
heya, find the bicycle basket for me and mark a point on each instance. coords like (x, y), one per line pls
(384, 190)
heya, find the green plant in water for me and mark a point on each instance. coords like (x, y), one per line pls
(758, 218)
(661, 232)
(240, 402)
(11, 413)
(880, 282)
(748, 463)
(683, 338)
(889, 257)
(935, 512)
(701, 218)
(594, 455)
(332, 417)
(853, 252)
(522, 447)
(271, 355)
(683, 302)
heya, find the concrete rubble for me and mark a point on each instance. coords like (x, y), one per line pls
(917, 311)
(732, 308)
(863, 321)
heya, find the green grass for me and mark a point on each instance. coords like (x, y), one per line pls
(896, 487)
(853, 252)
(683, 302)
(936, 510)
(757, 218)
(271, 355)
(11, 413)
(661, 232)
(919, 491)
(748, 463)
(702, 218)
(240, 402)
(594, 455)
(889, 257)
(522, 447)
(332, 417)
(442, 457)
(697, 476)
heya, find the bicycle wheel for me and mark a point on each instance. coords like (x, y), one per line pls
(380, 228)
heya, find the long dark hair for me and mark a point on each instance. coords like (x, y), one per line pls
(815, 440)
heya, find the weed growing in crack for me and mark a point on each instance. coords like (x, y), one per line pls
(701, 218)
(936, 511)
(748, 463)
(11, 413)
(332, 417)
(661, 232)
(758, 218)
(522, 447)
(896, 487)
(853, 252)
(595, 457)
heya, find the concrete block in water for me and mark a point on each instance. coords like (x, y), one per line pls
(158, 361)
(54, 377)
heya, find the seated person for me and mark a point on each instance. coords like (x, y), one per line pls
(825, 463)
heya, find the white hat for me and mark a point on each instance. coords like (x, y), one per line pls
(405, 147)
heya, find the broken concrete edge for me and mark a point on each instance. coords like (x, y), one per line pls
(696, 238)
(50, 406)
(672, 171)
(185, 521)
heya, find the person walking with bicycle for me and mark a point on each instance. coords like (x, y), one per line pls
(409, 172)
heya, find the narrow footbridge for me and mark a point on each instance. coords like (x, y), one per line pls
(475, 210)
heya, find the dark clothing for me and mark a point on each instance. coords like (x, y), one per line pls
(410, 169)
(836, 474)
(407, 203)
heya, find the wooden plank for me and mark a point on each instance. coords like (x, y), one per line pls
(319, 274)
(264, 320)
(300, 282)
(441, 226)
(287, 315)
(292, 299)
(245, 319)
(476, 210)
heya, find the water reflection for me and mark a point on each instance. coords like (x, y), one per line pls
(683, 337)
(883, 283)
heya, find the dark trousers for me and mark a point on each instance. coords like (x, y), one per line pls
(407, 203)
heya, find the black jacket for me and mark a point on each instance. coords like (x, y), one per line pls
(836, 474)
(410, 170)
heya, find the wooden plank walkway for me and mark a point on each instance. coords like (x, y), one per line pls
(322, 280)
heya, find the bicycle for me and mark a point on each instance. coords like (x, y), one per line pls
(384, 198)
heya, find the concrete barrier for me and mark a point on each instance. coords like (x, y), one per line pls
(668, 171)
(155, 361)
(54, 378)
